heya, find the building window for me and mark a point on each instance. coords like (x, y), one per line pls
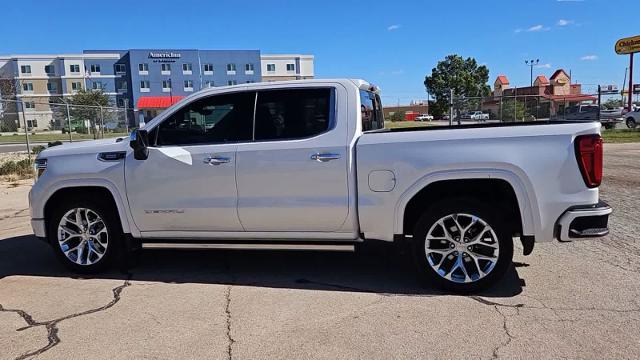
(123, 87)
(74, 68)
(25, 69)
(97, 85)
(27, 87)
(291, 67)
(95, 68)
(188, 85)
(208, 69)
(165, 69)
(32, 124)
(52, 87)
(187, 68)
(250, 81)
(231, 69)
(208, 84)
(144, 86)
(248, 67)
(121, 69)
(143, 68)
(271, 67)
(232, 82)
(166, 85)
(29, 105)
(50, 69)
(76, 85)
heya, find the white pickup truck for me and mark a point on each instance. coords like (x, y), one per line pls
(309, 165)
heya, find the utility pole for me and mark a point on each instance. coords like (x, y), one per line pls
(531, 63)
(630, 99)
(26, 130)
(69, 120)
(624, 82)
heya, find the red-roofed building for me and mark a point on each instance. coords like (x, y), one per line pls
(546, 98)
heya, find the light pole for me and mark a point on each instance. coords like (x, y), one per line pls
(531, 63)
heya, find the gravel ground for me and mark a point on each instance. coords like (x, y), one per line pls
(576, 300)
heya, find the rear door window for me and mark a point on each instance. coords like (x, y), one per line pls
(292, 113)
(371, 111)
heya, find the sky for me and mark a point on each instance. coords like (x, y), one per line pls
(392, 44)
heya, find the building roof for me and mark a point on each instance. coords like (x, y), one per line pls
(541, 79)
(157, 102)
(558, 72)
(571, 98)
(503, 79)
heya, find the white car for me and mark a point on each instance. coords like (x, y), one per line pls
(478, 115)
(632, 119)
(309, 165)
(424, 117)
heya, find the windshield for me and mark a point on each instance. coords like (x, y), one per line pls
(371, 110)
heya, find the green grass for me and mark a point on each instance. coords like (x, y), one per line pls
(406, 124)
(43, 137)
(621, 135)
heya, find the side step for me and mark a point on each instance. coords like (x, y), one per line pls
(183, 245)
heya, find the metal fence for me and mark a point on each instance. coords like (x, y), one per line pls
(34, 116)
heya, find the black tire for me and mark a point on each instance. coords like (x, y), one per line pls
(108, 214)
(631, 123)
(609, 126)
(490, 216)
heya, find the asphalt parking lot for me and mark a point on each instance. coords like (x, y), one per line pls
(576, 300)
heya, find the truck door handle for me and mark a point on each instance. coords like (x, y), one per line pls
(216, 160)
(325, 157)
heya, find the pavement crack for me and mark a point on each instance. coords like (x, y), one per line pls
(52, 325)
(227, 310)
(506, 331)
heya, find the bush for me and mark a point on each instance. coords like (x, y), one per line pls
(21, 168)
(38, 149)
(54, 143)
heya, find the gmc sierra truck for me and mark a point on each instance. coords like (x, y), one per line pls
(309, 165)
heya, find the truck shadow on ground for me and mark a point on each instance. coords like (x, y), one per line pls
(376, 269)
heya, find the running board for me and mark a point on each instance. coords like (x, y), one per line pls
(252, 246)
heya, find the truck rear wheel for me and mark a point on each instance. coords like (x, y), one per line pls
(462, 245)
(631, 123)
(84, 234)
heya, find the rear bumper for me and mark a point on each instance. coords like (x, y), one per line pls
(584, 222)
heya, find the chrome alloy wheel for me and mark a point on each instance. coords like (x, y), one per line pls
(83, 236)
(462, 248)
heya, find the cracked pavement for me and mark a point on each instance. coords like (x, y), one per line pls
(576, 300)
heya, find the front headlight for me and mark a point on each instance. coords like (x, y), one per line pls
(40, 165)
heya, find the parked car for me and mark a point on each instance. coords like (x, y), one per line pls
(589, 112)
(632, 119)
(424, 117)
(308, 165)
(479, 115)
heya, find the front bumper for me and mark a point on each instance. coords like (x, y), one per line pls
(584, 222)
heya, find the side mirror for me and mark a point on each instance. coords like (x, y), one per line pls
(139, 143)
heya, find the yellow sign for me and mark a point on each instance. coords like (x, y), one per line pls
(628, 45)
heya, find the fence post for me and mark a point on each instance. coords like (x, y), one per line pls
(126, 115)
(26, 130)
(101, 123)
(451, 107)
(69, 121)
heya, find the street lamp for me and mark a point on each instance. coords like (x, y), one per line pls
(531, 63)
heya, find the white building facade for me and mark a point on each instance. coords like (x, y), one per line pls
(287, 67)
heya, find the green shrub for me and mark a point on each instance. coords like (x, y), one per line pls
(21, 168)
(38, 149)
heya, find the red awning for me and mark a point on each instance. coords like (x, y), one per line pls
(157, 102)
(571, 98)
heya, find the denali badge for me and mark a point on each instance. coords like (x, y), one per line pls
(166, 211)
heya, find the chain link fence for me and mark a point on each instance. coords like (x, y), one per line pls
(83, 121)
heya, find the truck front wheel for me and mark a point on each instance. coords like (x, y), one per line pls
(462, 245)
(631, 123)
(84, 234)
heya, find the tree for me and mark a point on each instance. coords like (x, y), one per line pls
(8, 91)
(464, 76)
(508, 110)
(612, 104)
(85, 106)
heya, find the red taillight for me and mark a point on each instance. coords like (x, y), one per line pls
(589, 155)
